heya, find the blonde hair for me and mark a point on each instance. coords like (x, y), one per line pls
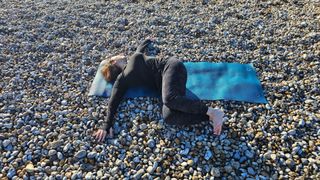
(109, 70)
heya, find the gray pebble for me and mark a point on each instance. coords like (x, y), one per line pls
(251, 171)
(6, 142)
(151, 143)
(81, 154)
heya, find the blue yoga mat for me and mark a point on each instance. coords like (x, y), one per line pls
(206, 81)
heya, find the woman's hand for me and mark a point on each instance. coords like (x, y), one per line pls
(151, 38)
(101, 134)
(216, 117)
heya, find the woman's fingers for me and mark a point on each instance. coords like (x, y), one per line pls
(100, 136)
(217, 130)
(97, 136)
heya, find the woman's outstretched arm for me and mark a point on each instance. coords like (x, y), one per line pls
(118, 90)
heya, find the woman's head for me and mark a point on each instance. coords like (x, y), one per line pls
(112, 67)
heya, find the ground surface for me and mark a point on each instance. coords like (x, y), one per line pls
(49, 53)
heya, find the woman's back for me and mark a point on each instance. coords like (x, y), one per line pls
(143, 70)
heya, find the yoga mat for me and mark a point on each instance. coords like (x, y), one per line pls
(206, 81)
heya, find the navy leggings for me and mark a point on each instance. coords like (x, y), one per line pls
(174, 83)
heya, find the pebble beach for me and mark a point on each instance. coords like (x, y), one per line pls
(49, 55)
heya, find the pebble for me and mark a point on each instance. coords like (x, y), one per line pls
(228, 169)
(251, 171)
(151, 143)
(143, 126)
(88, 175)
(92, 155)
(301, 123)
(114, 170)
(60, 155)
(6, 143)
(139, 173)
(81, 154)
(11, 173)
(136, 159)
(249, 154)
(215, 172)
(185, 151)
(273, 157)
(208, 155)
(52, 152)
(30, 168)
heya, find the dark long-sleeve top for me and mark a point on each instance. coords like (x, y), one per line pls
(142, 70)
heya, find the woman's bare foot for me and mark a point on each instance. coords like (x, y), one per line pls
(216, 118)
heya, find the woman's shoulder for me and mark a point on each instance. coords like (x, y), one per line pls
(137, 55)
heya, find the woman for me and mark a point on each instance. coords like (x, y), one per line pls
(168, 77)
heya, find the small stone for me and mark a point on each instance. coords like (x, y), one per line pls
(52, 152)
(150, 107)
(81, 154)
(215, 172)
(159, 169)
(99, 174)
(139, 173)
(185, 172)
(290, 162)
(309, 101)
(56, 144)
(66, 147)
(249, 154)
(11, 173)
(185, 151)
(208, 155)
(30, 168)
(151, 143)
(74, 176)
(8, 125)
(237, 155)
(268, 106)
(251, 171)
(114, 170)
(136, 159)
(184, 164)
(143, 126)
(92, 155)
(301, 123)
(6, 142)
(48, 101)
(190, 162)
(64, 102)
(60, 155)
(292, 132)
(68, 175)
(273, 156)
(296, 150)
(141, 134)
(259, 135)
(228, 169)
(150, 169)
(88, 175)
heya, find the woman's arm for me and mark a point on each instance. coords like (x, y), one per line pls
(143, 45)
(118, 90)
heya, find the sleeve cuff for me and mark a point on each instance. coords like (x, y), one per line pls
(105, 126)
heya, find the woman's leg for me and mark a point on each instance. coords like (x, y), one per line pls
(175, 117)
(174, 84)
